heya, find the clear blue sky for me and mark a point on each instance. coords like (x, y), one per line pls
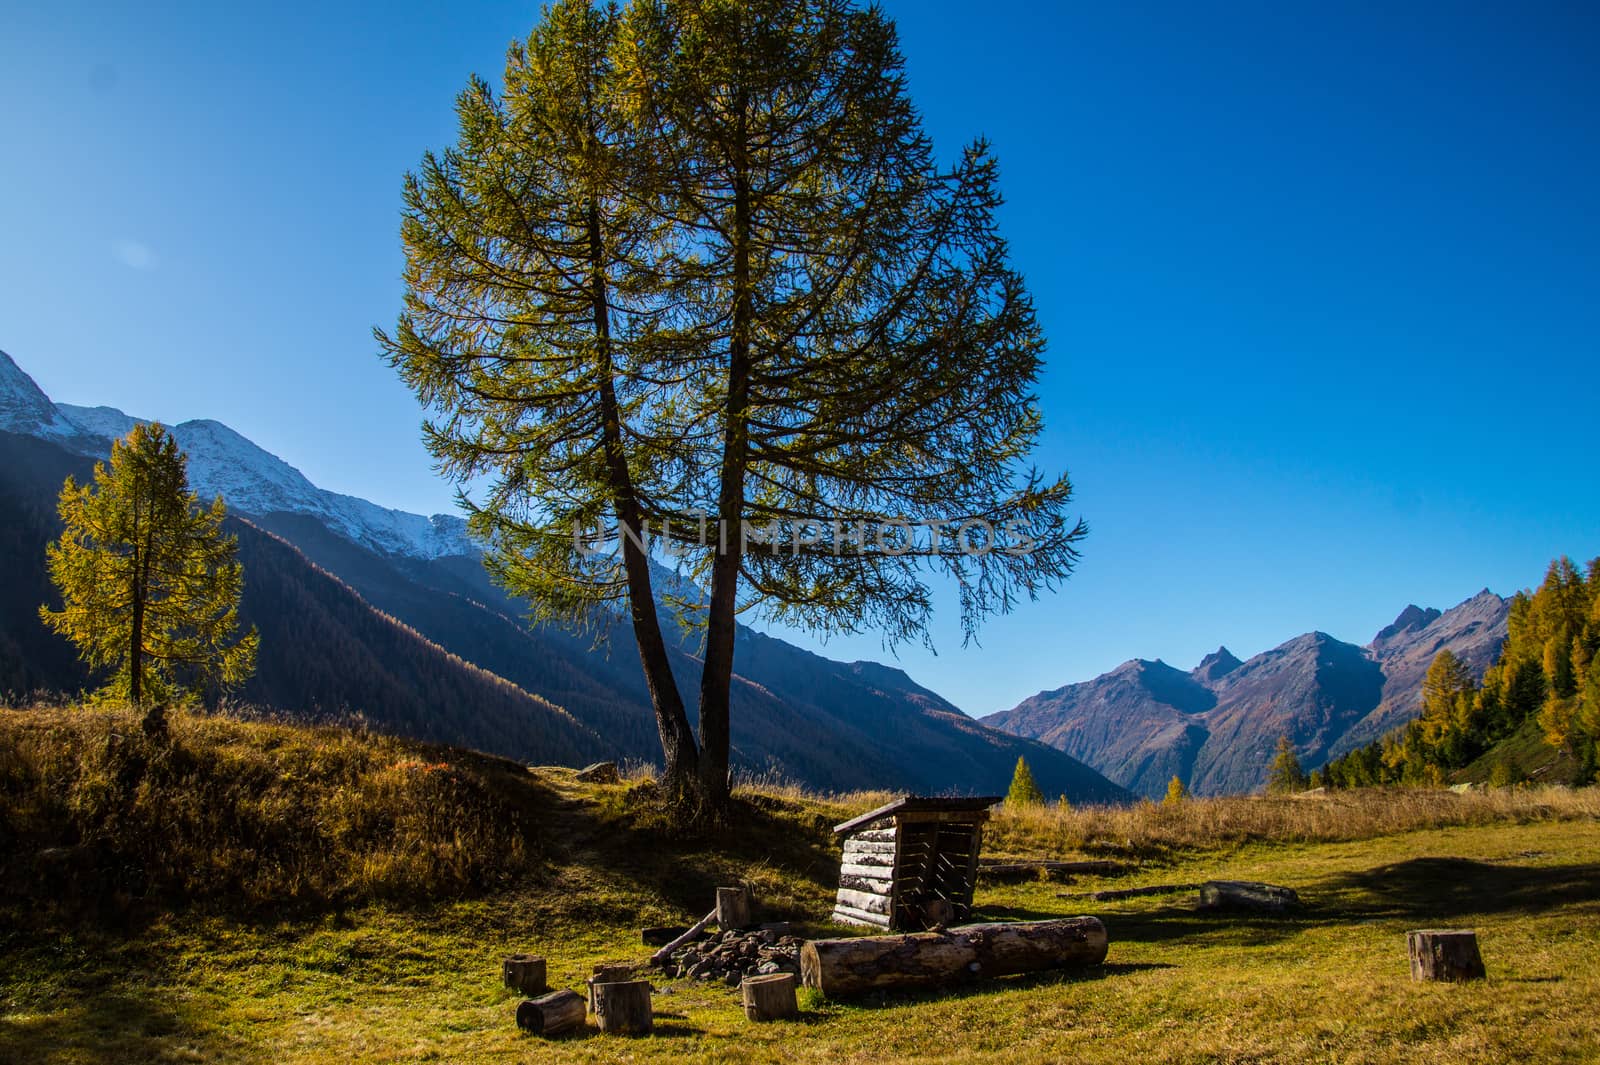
(1321, 281)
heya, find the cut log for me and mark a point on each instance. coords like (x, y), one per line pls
(1129, 893)
(861, 846)
(872, 885)
(623, 1008)
(840, 967)
(867, 859)
(665, 953)
(733, 908)
(875, 835)
(769, 998)
(660, 937)
(606, 974)
(850, 915)
(865, 901)
(1445, 954)
(524, 973)
(600, 773)
(552, 1014)
(1087, 868)
(1247, 895)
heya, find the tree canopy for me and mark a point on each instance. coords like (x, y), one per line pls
(1024, 789)
(150, 586)
(695, 281)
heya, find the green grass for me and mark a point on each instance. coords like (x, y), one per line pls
(384, 979)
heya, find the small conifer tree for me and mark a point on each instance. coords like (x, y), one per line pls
(149, 585)
(1024, 789)
(1176, 792)
(1287, 775)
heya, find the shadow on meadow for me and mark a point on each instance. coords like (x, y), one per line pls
(1430, 889)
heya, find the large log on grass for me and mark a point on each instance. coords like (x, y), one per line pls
(839, 967)
(1444, 954)
(557, 1012)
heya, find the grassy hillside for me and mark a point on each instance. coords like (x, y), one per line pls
(410, 870)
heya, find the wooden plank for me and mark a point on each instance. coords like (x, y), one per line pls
(879, 861)
(864, 901)
(850, 915)
(877, 872)
(935, 817)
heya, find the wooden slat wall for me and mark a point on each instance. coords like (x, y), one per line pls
(889, 872)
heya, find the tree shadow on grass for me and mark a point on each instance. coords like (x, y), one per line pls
(1433, 889)
(109, 1027)
(1045, 978)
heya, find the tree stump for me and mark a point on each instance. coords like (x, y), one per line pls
(623, 1008)
(1445, 954)
(931, 959)
(769, 998)
(607, 973)
(557, 1012)
(1247, 895)
(524, 973)
(733, 908)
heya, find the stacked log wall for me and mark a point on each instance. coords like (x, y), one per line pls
(866, 876)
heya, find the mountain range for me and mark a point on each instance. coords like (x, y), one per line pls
(1216, 727)
(391, 616)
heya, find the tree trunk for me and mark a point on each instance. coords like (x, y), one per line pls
(769, 998)
(1247, 895)
(839, 967)
(672, 721)
(1445, 954)
(623, 1008)
(733, 908)
(524, 973)
(557, 1012)
(716, 676)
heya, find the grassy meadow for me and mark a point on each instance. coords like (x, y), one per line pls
(260, 892)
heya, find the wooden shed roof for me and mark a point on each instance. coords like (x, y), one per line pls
(921, 804)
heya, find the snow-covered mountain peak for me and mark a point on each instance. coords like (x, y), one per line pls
(223, 462)
(24, 408)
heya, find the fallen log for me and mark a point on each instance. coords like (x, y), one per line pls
(524, 973)
(769, 998)
(1247, 895)
(623, 1008)
(839, 967)
(665, 953)
(1445, 954)
(1087, 868)
(557, 1012)
(1128, 893)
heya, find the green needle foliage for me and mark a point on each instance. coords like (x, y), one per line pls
(696, 269)
(1287, 776)
(1024, 789)
(150, 586)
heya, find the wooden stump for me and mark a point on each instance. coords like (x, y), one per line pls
(733, 908)
(769, 998)
(623, 1008)
(606, 974)
(524, 973)
(1247, 895)
(928, 959)
(557, 1012)
(1445, 954)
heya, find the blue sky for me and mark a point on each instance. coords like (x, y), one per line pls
(1321, 282)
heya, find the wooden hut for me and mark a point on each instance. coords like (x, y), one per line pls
(911, 864)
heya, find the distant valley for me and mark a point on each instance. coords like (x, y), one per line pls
(1215, 727)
